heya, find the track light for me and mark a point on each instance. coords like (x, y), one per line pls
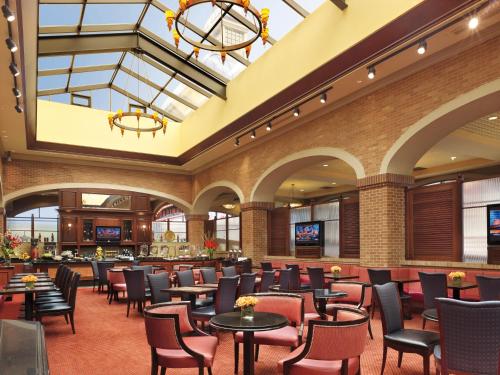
(253, 135)
(323, 98)
(7, 13)
(269, 126)
(422, 47)
(473, 23)
(17, 92)
(371, 72)
(19, 109)
(11, 45)
(296, 111)
(8, 156)
(237, 142)
(14, 70)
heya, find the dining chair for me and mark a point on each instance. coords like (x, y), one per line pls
(116, 284)
(136, 291)
(381, 277)
(59, 282)
(359, 296)
(287, 304)
(148, 269)
(318, 356)
(247, 283)
(470, 337)
(61, 295)
(224, 300)
(95, 274)
(157, 282)
(489, 288)
(434, 285)
(284, 279)
(294, 281)
(103, 277)
(186, 278)
(310, 309)
(229, 271)
(246, 266)
(66, 308)
(266, 266)
(316, 277)
(266, 280)
(209, 275)
(175, 340)
(396, 336)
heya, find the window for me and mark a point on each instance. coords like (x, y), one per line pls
(45, 224)
(227, 230)
(170, 219)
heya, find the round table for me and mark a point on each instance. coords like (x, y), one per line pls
(262, 321)
(323, 295)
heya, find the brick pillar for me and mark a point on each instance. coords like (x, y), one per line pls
(382, 219)
(196, 229)
(254, 229)
(2, 220)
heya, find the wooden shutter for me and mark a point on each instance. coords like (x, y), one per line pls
(279, 239)
(434, 222)
(349, 228)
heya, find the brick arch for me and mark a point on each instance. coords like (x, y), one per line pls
(425, 133)
(209, 193)
(269, 181)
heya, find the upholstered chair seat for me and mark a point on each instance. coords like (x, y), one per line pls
(318, 367)
(286, 336)
(179, 358)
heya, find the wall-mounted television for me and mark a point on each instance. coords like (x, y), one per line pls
(309, 234)
(494, 224)
(108, 234)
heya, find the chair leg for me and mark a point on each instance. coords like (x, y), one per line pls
(257, 352)
(400, 359)
(201, 370)
(72, 320)
(66, 318)
(128, 307)
(209, 370)
(370, 329)
(236, 356)
(163, 370)
(423, 323)
(426, 365)
(384, 358)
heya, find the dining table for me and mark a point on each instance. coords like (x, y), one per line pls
(28, 296)
(261, 321)
(191, 291)
(332, 276)
(321, 296)
(458, 287)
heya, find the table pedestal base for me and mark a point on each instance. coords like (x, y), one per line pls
(248, 353)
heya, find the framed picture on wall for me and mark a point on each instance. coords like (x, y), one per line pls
(493, 218)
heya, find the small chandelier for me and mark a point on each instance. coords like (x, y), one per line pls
(260, 21)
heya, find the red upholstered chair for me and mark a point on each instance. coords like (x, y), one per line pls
(117, 284)
(286, 304)
(359, 296)
(174, 339)
(319, 357)
(310, 310)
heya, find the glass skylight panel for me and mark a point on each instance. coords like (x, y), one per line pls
(172, 106)
(119, 101)
(148, 71)
(59, 98)
(100, 98)
(59, 14)
(93, 59)
(282, 18)
(135, 87)
(52, 82)
(97, 14)
(90, 78)
(186, 93)
(310, 5)
(54, 62)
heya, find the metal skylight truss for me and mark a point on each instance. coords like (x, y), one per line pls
(178, 65)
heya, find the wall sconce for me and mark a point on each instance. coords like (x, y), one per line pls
(70, 225)
(143, 226)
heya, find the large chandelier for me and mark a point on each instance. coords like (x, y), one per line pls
(181, 18)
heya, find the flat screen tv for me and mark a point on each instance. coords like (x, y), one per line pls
(107, 234)
(494, 224)
(309, 234)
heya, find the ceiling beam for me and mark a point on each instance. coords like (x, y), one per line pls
(340, 4)
(76, 69)
(81, 44)
(64, 90)
(297, 7)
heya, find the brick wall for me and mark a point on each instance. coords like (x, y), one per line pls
(196, 229)
(254, 216)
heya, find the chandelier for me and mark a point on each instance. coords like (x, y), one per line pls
(181, 18)
(138, 120)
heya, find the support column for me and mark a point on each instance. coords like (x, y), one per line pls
(254, 227)
(382, 219)
(196, 229)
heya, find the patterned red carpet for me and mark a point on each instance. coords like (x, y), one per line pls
(107, 343)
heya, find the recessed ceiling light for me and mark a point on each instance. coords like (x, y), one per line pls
(334, 183)
(325, 165)
(453, 158)
(302, 190)
(323, 98)
(359, 81)
(473, 23)
(491, 118)
(296, 111)
(422, 47)
(253, 135)
(371, 72)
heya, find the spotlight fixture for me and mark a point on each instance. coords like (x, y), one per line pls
(9, 156)
(11, 45)
(473, 23)
(325, 165)
(253, 135)
(269, 126)
(237, 142)
(422, 47)
(453, 158)
(19, 109)
(16, 92)
(323, 98)
(7, 13)
(14, 70)
(371, 72)
(296, 111)
(493, 118)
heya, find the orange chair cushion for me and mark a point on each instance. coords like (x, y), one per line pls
(311, 316)
(178, 358)
(120, 287)
(286, 336)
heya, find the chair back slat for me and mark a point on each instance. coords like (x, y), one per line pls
(185, 278)
(102, 267)
(209, 275)
(229, 271)
(434, 285)
(489, 288)
(135, 284)
(247, 283)
(294, 282)
(267, 279)
(73, 289)
(157, 282)
(316, 277)
(284, 279)
(379, 277)
(226, 294)
(390, 307)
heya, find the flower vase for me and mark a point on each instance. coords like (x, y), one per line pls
(247, 313)
(336, 274)
(30, 285)
(457, 281)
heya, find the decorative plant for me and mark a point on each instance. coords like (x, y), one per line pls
(457, 276)
(209, 244)
(99, 253)
(8, 242)
(67, 254)
(336, 269)
(24, 256)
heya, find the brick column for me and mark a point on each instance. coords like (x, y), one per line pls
(254, 229)
(2, 220)
(382, 219)
(196, 229)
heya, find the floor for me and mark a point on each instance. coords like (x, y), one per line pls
(108, 343)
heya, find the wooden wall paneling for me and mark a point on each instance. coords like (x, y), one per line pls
(434, 222)
(67, 199)
(279, 231)
(141, 203)
(349, 228)
(69, 228)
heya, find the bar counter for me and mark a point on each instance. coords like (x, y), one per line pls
(85, 268)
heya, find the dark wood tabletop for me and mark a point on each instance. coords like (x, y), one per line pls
(327, 293)
(330, 275)
(405, 280)
(462, 286)
(196, 290)
(262, 321)
(22, 285)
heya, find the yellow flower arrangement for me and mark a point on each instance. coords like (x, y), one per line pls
(99, 253)
(24, 256)
(336, 269)
(457, 275)
(29, 279)
(247, 301)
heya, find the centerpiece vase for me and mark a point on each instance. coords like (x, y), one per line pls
(30, 285)
(336, 274)
(457, 281)
(247, 313)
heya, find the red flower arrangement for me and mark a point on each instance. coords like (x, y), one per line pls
(8, 242)
(210, 244)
